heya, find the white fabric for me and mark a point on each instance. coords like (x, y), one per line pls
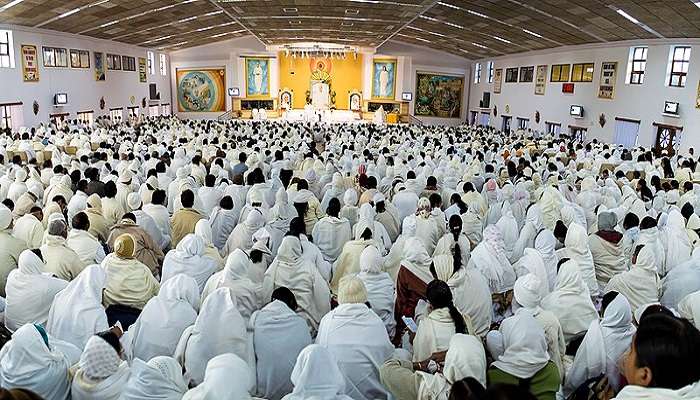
(235, 276)
(227, 377)
(525, 346)
(188, 258)
(101, 374)
(330, 235)
(159, 379)
(490, 259)
(676, 242)
(576, 248)
(316, 376)
(379, 285)
(641, 284)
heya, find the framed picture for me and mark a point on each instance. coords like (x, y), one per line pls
(201, 90)
(286, 100)
(608, 76)
(143, 78)
(511, 75)
(438, 95)
(541, 80)
(79, 58)
(257, 73)
(99, 66)
(567, 88)
(560, 73)
(527, 74)
(497, 80)
(383, 79)
(582, 72)
(30, 63)
(355, 101)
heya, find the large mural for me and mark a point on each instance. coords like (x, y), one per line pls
(438, 95)
(383, 79)
(257, 72)
(201, 90)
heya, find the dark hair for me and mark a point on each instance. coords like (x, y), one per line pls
(439, 295)
(110, 189)
(210, 180)
(187, 198)
(9, 204)
(226, 203)
(647, 223)
(503, 391)
(435, 200)
(654, 309)
(668, 346)
(129, 216)
(297, 226)
(467, 389)
(631, 220)
(333, 207)
(18, 394)
(81, 221)
(687, 210)
(112, 339)
(607, 299)
(286, 296)
(158, 197)
(301, 208)
(560, 230)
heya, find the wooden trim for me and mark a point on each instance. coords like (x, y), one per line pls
(658, 124)
(552, 123)
(636, 121)
(59, 115)
(117, 108)
(578, 127)
(132, 107)
(86, 111)
(16, 103)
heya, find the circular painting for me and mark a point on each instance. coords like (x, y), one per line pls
(197, 92)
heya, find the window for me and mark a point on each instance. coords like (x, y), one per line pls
(133, 113)
(115, 114)
(511, 75)
(154, 110)
(560, 73)
(7, 52)
(163, 65)
(58, 119)
(553, 128)
(151, 63)
(582, 72)
(86, 117)
(79, 58)
(114, 62)
(55, 57)
(477, 73)
(527, 74)
(129, 63)
(578, 133)
(5, 117)
(680, 62)
(523, 123)
(637, 65)
(490, 71)
(165, 109)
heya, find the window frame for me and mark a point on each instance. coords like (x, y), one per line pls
(129, 63)
(151, 60)
(477, 73)
(523, 73)
(523, 123)
(512, 75)
(684, 61)
(5, 116)
(163, 63)
(635, 72)
(80, 116)
(584, 76)
(56, 52)
(112, 61)
(79, 53)
(7, 57)
(560, 68)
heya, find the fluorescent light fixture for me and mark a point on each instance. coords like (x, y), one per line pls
(532, 33)
(696, 2)
(187, 19)
(422, 40)
(108, 24)
(442, 3)
(71, 12)
(478, 14)
(629, 17)
(481, 46)
(209, 14)
(10, 4)
(500, 39)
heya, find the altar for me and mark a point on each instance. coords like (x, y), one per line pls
(311, 114)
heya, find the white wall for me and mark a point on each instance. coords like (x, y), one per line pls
(640, 102)
(84, 92)
(410, 58)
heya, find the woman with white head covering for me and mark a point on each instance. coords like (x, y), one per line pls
(316, 376)
(589, 198)
(473, 224)
(392, 261)
(379, 285)
(32, 361)
(531, 229)
(331, 232)
(676, 242)
(159, 327)
(203, 230)
(348, 262)
(576, 248)
(188, 258)
(427, 229)
(520, 350)
(290, 270)
(227, 376)
(368, 217)
(278, 219)
(350, 209)
(526, 294)
(242, 235)
(532, 263)
(603, 347)
(489, 257)
(101, 374)
(333, 190)
(509, 230)
(30, 292)
(607, 249)
(18, 187)
(77, 312)
(570, 301)
(464, 358)
(219, 329)
(222, 221)
(236, 277)
(641, 284)
(158, 379)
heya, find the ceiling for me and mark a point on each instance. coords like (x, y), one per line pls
(472, 29)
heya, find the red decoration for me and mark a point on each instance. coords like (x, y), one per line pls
(567, 88)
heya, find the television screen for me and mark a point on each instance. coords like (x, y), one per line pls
(406, 96)
(234, 92)
(61, 98)
(671, 107)
(576, 111)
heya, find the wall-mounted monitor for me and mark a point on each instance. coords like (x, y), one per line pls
(671, 107)
(60, 99)
(576, 111)
(234, 92)
(406, 96)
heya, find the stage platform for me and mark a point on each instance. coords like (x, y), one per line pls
(328, 116)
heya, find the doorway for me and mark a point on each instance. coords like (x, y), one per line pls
(667, 139)
(505, 127)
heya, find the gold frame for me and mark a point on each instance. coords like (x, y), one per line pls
(258, 96)
(350, 96)
(24, 63)
(393, 83)
(291, 98)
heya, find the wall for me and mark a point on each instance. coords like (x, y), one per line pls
(84, 92)
(640, 102)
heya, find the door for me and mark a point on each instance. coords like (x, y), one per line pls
(666, 139)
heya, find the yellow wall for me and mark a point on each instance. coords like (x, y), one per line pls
(346, 76)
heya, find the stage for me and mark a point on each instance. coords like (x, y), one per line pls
(312, 115)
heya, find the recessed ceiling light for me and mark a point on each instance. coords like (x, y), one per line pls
(345, 23)
(295, 22)
(67, 13)
(10, 4)
(629, 17)
(442, 3)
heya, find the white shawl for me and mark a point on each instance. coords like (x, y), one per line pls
(227, 377)
(490, 259)
(159, 379)
(576, 248)
(188, 258)
(524, 344)
(316, 376)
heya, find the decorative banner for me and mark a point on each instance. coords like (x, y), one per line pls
(257, 73)
(697, 101)
(541, 80)
(608, 76)
(383, 79)
(567, 88)
(201, 90)
(30, 65)
(142, 70)
(99, 66)
(438, 95)
(497, 80)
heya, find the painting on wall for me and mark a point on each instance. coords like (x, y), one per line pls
(257, 72)
(697, 99)
(99, 66)
(438, 95)
(383, 79)
(201, 90)
(541, 80)
(608, 76)
(286, 99)
(142, 70)
(497, 80)
(30, 65)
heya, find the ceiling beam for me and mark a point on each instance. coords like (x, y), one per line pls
(415, 17)
(236, 19)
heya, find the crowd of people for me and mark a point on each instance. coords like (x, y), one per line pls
(182, 259)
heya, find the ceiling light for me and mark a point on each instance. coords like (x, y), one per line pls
(478, 14)
(500, 39)
(209, 14)
(290, 10)
(448, 5)
(629, 17)
(696, 2)
(10, 4)
(71, 12)
(108, 24)
(532, 33)
(352, 11)
(187, 19)
(481, 46)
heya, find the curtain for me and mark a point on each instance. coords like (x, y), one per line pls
(626, 133)
(485, 119)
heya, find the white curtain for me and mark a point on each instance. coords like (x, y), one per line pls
(485, 117)
(626, 133)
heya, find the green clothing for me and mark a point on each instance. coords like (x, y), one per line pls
(543, 385)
